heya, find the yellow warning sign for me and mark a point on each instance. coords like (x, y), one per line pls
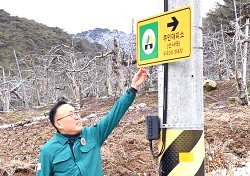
(164, 38)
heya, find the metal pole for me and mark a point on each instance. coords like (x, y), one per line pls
(181, 106)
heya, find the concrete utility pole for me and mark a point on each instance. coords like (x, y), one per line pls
(181, 105)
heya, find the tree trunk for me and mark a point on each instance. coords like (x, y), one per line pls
(240, 66)
(245, 100)
(224, 58)
(6, 100)
(117, 64)
(36, 85)
(108, 78)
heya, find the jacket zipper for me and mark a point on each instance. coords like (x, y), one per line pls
(71, 144)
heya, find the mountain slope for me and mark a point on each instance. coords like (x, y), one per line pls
(105, 37)
(27, 36)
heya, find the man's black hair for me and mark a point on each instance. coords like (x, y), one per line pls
(53, 110)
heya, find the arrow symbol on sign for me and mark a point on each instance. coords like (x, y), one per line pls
(173, 24)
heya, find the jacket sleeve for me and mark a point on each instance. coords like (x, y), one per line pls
(44, 166)
(105, 126)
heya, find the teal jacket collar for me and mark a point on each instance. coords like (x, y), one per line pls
(62, 139)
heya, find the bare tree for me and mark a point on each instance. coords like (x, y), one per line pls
(61, 73)
(240, 64)
(9, 86)
(116, 66)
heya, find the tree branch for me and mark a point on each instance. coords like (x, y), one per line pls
(96, 57)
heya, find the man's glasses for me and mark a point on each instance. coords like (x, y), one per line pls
(73, 114)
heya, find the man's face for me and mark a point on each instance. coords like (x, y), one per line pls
(67, 120)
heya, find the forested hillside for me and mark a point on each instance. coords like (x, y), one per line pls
(40, 65)
(27, 36)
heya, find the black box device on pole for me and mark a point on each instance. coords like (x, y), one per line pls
(153, 127)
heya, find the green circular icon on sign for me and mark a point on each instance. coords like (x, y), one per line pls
(148, 41)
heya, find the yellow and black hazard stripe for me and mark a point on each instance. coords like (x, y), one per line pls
(184, 153)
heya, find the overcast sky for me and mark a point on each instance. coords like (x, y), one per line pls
(76, 16)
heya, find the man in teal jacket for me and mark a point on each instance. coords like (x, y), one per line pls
(76, 150)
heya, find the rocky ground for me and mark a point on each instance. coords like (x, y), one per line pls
(126, 151)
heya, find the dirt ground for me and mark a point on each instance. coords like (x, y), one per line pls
(126, 151)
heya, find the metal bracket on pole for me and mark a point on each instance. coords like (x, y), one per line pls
(191, 126)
